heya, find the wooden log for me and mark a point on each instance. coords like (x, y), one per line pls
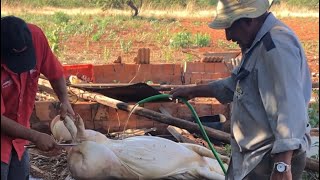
(190, 126)
(112, 85)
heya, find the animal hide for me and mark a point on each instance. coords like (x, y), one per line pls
(140, 157)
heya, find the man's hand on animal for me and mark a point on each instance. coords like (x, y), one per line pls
(44, 141)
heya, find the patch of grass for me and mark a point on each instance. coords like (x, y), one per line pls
(106, 54)
(311, 46)
(167, 53)
(125, 46)
(189, 57)
(181, 40)
(53, 39)
(96, 37)
(227, 45)
(202, 40)
(304, 3)
(111, 35)
(162, 36)
(61, 18)
(54, 3)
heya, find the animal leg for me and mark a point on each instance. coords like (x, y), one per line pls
(203, 151)
(68, 122)
(81, 135)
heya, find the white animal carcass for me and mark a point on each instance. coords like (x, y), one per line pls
(140, 157)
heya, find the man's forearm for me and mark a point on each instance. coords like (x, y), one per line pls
(283, 157)
(203, 91)
(16, 130)
(60, 88)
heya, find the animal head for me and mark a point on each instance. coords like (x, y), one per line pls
(59, 130)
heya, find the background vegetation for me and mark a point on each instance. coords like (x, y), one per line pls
(160, 4)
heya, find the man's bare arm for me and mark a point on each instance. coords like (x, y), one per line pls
(16, 130)
(60, 88)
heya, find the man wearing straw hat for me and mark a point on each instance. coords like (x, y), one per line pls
(270, 91)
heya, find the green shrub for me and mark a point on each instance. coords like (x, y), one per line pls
(181, 39)
(61, 18)
(125, 46)
(202, 40)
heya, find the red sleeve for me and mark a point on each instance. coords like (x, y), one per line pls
(3, 108)
(50, 66)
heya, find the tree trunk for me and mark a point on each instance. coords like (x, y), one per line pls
(131, 4)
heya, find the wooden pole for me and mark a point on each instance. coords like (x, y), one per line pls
(113, 85)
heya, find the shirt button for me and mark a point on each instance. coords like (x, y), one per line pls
(20, 99)
(18, 115)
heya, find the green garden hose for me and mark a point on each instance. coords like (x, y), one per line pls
(167, 96)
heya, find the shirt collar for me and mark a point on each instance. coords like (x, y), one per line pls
(267, 25)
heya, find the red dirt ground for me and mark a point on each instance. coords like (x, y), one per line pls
(307, 30)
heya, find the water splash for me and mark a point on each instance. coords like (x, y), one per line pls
(130, 113)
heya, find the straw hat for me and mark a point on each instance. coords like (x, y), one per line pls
(229, 11)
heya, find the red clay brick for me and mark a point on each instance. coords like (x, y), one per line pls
(84, 109)
(207, 76)
(171, 108)
(104, 73)
(167, 69)
(176, 79)
(220, 68)
(143, 73)
(184, 112)
(130, 68)
(152, 106)
(156, 68)
(145, 123)
(97, 125)
(209, 67)
(195, 76)
(195, 67)
(203, 109)
(46, 110)
(219, 109)
(187, 78)
(177, 69)
(89, 125)
(216, 76)
(101, 114)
